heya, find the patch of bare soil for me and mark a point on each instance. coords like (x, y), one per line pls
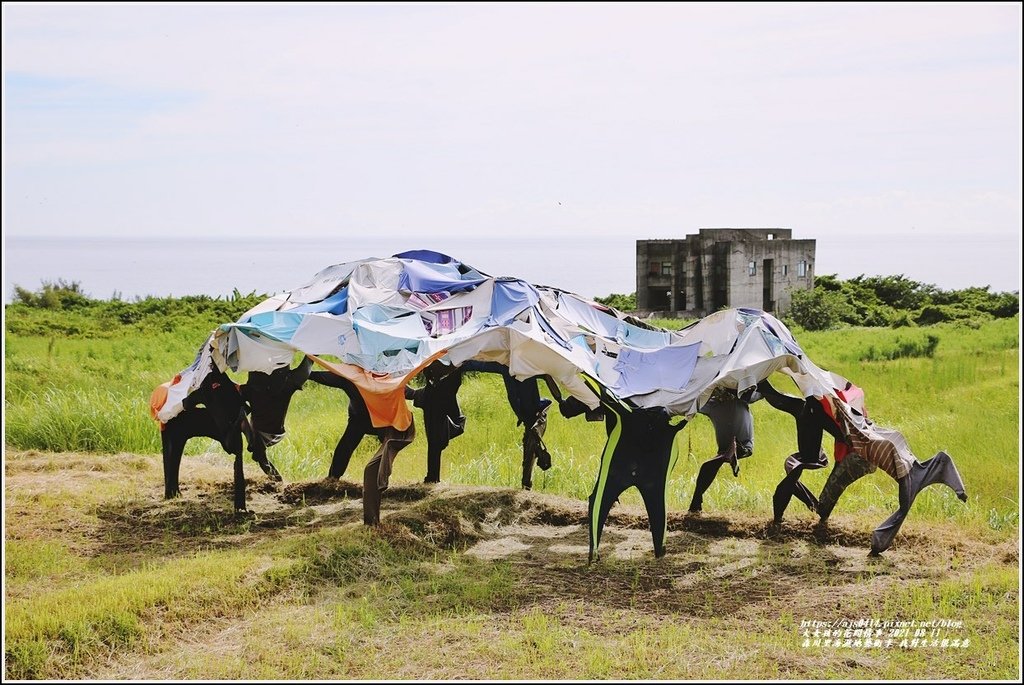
(717, 565)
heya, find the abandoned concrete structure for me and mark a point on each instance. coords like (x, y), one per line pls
(723, 267)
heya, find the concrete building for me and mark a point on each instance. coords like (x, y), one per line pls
(722, 267)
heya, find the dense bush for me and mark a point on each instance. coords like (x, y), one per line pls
(894, 301)
(63, 309)
(624, 303)
(818, 309)
(61, 295)
(878, 301)
(903, 348)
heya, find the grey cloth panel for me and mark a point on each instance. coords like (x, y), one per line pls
(938, 469)
(732, 419)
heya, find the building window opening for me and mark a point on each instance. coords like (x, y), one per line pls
(785, 269)
(666, 268)
(655, 269)
(801, 269)
(752, 268)
(659, 299)
(771, 236)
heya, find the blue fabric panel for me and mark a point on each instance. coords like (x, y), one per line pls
(381, 329)
(277, 325)
(775, 346)
(426, 256)
(641, 372)
(634, 336)
(336, 304)
(421, 277)
(791, 345)
(509, 299)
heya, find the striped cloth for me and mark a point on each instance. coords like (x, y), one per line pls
(886, 448)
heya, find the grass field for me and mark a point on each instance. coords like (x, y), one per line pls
(473, 579)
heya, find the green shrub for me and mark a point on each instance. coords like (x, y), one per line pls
(818, 309)
(940, 313)
(62, 295)
(902, 320)
(903, 348)
(61, 309)
(622, 302)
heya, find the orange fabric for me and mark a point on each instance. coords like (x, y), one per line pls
(159, 398)
(157, 401)
(384, 394)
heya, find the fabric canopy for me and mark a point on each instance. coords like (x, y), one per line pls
(380, 320)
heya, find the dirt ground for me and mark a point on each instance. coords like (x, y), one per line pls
(718, 565)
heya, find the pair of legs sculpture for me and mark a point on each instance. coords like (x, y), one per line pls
(443, 420)
(811, 422)
(221, 410)
(640, 451)
(938, 469)
(734, 432)
(377, 473)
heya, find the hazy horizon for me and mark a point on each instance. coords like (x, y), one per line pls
(853, 124)
(215, 266)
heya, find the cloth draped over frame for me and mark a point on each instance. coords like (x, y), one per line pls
(380, 321)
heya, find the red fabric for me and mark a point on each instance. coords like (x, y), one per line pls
(854, 396)
(841, 448)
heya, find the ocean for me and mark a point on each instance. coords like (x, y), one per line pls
(595, 266)
(131, 268)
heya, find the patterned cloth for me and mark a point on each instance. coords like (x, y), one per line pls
(845, 473)
(886, 448)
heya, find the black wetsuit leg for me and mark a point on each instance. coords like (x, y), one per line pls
(640, 452)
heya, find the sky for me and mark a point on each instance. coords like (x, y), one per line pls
(844, 122)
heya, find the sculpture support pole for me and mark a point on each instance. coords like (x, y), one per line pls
(239, 482)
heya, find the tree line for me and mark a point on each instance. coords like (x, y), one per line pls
(894, 301)
(61, 307)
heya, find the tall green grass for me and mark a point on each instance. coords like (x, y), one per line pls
(81, 394)
(53, 633)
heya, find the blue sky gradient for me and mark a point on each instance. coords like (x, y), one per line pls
(631, 121)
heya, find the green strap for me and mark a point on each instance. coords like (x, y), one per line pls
(602, 479)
